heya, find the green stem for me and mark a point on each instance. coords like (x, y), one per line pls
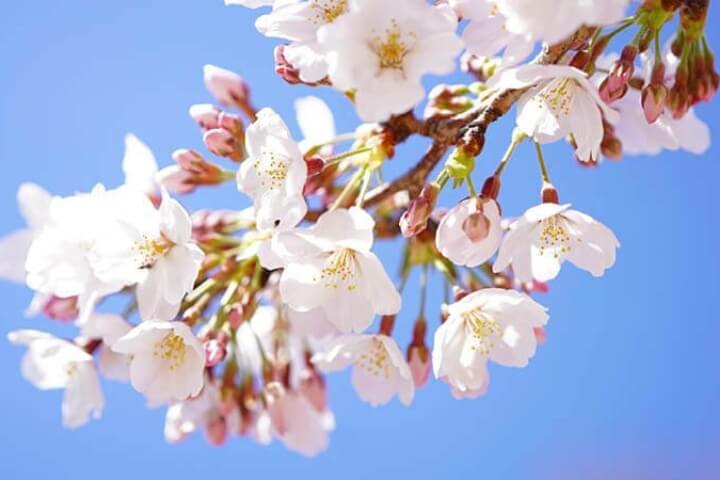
(516, 140)
(351, 185)
(471, 187)
(363, 188)
(541, 161)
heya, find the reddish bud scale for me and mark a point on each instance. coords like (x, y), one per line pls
(549, 194)
(414, 220)
(491, 187)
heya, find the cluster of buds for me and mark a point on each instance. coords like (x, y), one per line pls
(191, 171)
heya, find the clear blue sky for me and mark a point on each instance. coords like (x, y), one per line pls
(626, 387)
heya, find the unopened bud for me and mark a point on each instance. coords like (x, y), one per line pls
(227, 87)
(549, 194)
(653, 101)
(284, 69)
(418, 358)
(215, 352)
(314, 165)
(205, 115)
(223, 144)
(414, 219)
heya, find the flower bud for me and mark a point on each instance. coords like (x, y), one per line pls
(215, 351)
(233, 124)
(476, 226)
(315, 165)
(216, 431)
(622, 70)
(312, 387)
(222, 143)
(549, 194)
(227, 87)
(653, 101)
(283, 68)
(205, 115)
(414, 219)
(418, 355)
(61, 309)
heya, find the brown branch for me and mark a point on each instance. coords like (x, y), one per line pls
(467, 128)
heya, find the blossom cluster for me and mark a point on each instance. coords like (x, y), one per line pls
(233, 318)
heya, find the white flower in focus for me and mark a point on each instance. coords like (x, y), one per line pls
(299, 22)
(274, 163)
(379, 372)
(149, 247)
(548, 234)
(51, 363)
(562, 102)
(34, 204)
(486, 34)
(58, 261)
(316, 122)
(330, 266)
(297, 423)
(470, 233)
(167, 360)
(382, 49)
(491, 323)
(553, 20)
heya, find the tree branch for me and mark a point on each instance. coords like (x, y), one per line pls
(467, 128)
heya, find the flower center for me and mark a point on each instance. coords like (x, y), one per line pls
(340, 270)
(476, 226)
(481, 331)
(272, 169)
(558, 96)
(148, 250)
(392, 47)
(554, 237)
(171, 349)
(375, 360)
(327, 11)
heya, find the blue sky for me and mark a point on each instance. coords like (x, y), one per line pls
(626, 387)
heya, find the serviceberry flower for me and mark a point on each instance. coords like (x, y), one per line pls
(548, 234)
(52, 363)
(379, 369)
(167, 361)
(330, 266)
(381, 50)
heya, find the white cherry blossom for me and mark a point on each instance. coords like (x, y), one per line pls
(382, 49)
(59, 259)
(316, 122)
(148, 247)
(52, 363)
(553, 20)
(298, 425)
(274, 163)
(548, 234)
(276, 213)
(299, 22)
(109, 328)
(140, 167)
(489, 324)
(34, 204)
(470, 233)
(562, 102)
(330, 266)
(486, 34)
(379, 372)
(167, 360)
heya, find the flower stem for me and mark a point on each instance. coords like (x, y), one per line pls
(343, 156)
(516, 140)
(471, 187)
(351, 185)
(363, 188)
(541, 161)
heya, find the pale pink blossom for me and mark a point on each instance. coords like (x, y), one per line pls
(470, 233)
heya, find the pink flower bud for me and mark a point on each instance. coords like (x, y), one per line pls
(418, 357)
(222, 143)
(176, 180)
(653, 101)
(312, 387)
(205, 115)
(315, 165)
(283, 68)
(215, 352)
(540, 335)
(623, 69)
(414, 219)
(216, 431)
(476, 226)
(233, 124)
(227, 87)
(61, 309)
